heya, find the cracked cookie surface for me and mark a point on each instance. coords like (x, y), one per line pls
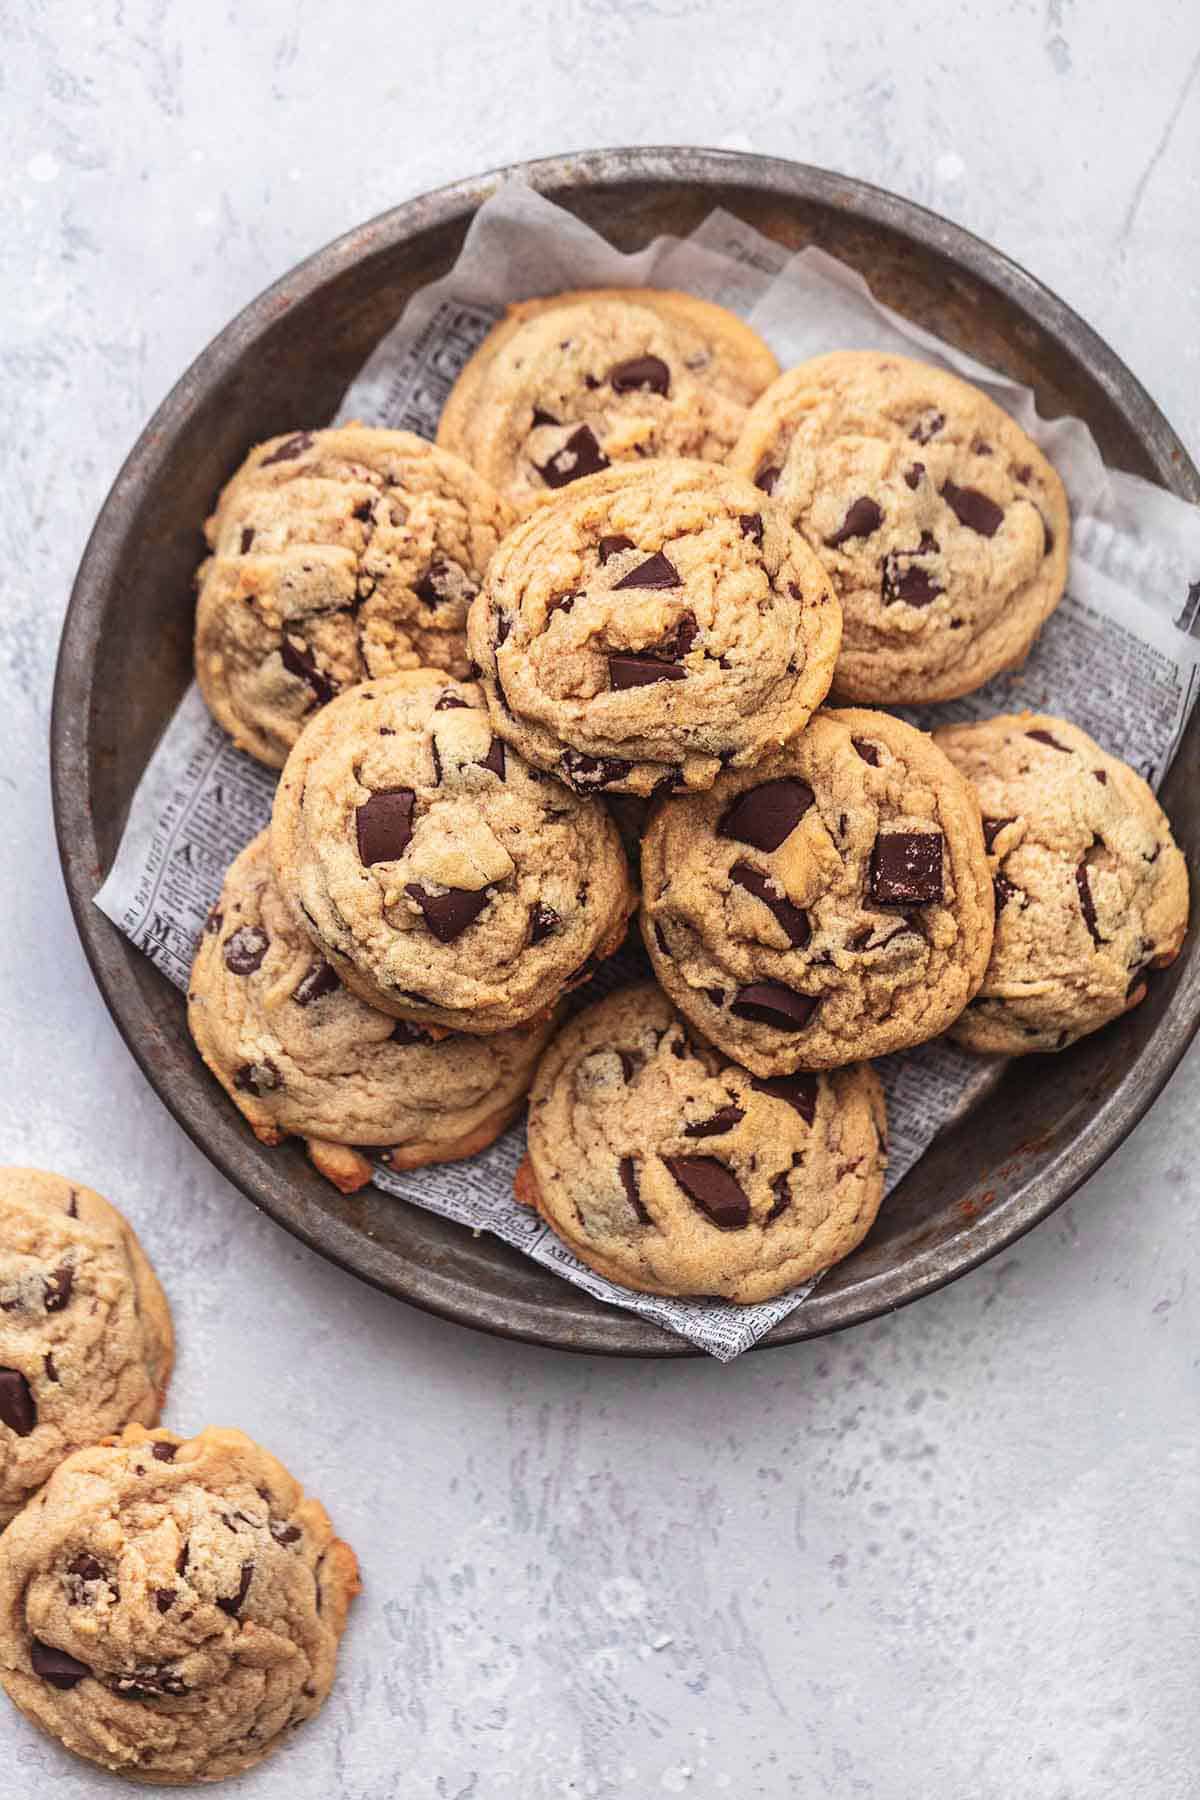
(297, 1052)
(673, 1171)
(652, 625)
(1091, 889)
(86, 1343)
(830, 905)
(943, 528)
(337, 555)
(570, 384)
(170, 1608)
(444, 879)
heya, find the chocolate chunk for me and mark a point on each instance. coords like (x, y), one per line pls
(451, 702)
(862, 521)
(181, 1561)
(1086, 903)
(247, 539)
(992, 829)
(448, 915)
(724, 1119)
(383, 825)
(612, 546)
(1044, 737)
(716, 997)
(56, 1288)
(913, 474)
(542, 921)
(647, 374)
(1101, 777)
(713, 1188)
(906, 868)
(793, 920)
(973, 509)
(907, 581)
(1004, 890)
(800, 1092)
(641, 671)
(162, 1451)
(17, 1407)
(767, 476)
(656, 572)
(288, 450)
(405, 1032)
(752, 526)
(586, 773)
(580, 455)
(300, 663)
(771, 1003)
(927, 426)
(494, 760)
(781, 1189)
(245, 949)
(48, 1365)
(542, 417)
(284, 1534)
(627, 1170)
(151, 1683)
(318, 979)
(232, 1603)
(503, 627)
(441, 581)
(56, 1666)
(981, 448)
(765, 815)
(867, 750)
(86, 1567)
(258, 1077)
(164, 1599)
(562, 603)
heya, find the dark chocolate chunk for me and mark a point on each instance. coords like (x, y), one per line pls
(765, 815)
(288, 450)
(907, 581)
(56, 1666)
(258, 1078)
(713, 1188)
(405, 1032)
(1004, 890)
(767, 476)
(658, 571)
(163, 1452)
(1086, 903)
(18, 1409)
(724, 1119)
(992, 829)
(232, 1603)
(867, 750)
(791, 918)
(771, 1003)
(562, 603)
(448, 915)
(245, 949)
(800, 1092)
(494, 760)
(752, 526)
(181, 1561)
(319, 979)
(1045, 737)
(451, 702)
(503, 627)
(164, 1599)
(284, 1534)
(627, 1170)
(56, 1288)
(86, 1567)
(641, 671)
(862, 521)
(647, 374)
(542, 921)
(247, 538)
(927, 426)
(973, 509)
(542, 417)
(441, 581)
(580, 455)
(586, 773)
(906, 868)
(612, 546)
(783, 1197)
(383, 824)
(48, 1365)
(913, 474)
(1101, 777)
(301, 664)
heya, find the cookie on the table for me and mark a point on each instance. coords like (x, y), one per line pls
(942, 526)
(86, 1343)
(570, 384)
(1091, 889)
(170, 1608)
(832, 904)
(652, 625)
(336, 555)
(444, 879)
(298, 1053)
(673, 1171)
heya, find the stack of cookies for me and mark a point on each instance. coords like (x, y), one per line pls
(572, 662)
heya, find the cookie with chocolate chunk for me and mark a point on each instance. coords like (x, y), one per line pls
(171, 1608)
(673, 1171)
(651, 626)
(943, 528)
(336, 555)
(833, 903)
(443, 879)
(1091, 888)
(573, 383)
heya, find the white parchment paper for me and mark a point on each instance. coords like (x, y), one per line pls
(1119, 656)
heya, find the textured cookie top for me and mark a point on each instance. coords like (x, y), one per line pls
(942, 526)
(443, 878)
(337, 555)
(298, 1052)
(171, 1607)
(673, 1171)
(832, 904)
(85, 1332)
(569, 385)
(651, 625)
(1091, 890)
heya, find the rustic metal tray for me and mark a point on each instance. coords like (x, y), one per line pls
(125, 660)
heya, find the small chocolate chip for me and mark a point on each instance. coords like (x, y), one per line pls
(724, 1119)
(56, 1666)
(799, 1091)
(1004, 890)
(319, 979)
(580, 455)
(86, 1567)
(713, 1188)
(164, 1599)
(258, 1077)
(162, 1451)
(283, 1534)
(301, 663)
(181, 1561)
(586, 773)
(542, 921)
(992, 829)
(448, 915)
(867, 750)
(405, 1032)
(232, 1603)
(907, 581)
(441, 581)
(793, 920)
(771, 1003)
(48, 1365)
(767, 476)
(503, 627)
(449, 702)
(973, 509)
(1101, 777)
(646, 374)
(783, 1197)
(752, 526)
(1045, 737)
(288, 450)
(1086, 903)
(862, 520)
(926, 427)
(913, 474)
(906, 868)
(247, 539)
(658, 571)
(18, 1410)
(56, 1288)
(214, 922)
(383, 825)
(612, 546)
(245, 949)
(767, 814)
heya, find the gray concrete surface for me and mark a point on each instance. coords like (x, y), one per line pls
(952, 1555)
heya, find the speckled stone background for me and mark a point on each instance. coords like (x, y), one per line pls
(952, 1554)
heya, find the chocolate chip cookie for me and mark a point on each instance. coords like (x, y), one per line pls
(170, 1608)
(651, 626)
(1091, 890)
(942, 526)
(86, 1344)
(569, 385)
(296, 1051)
(832, 904)
(673, 1171)
(445, 880)
(336, 555)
